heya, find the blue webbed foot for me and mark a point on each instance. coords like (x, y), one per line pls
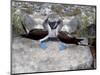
(62, 46)
(43, 45)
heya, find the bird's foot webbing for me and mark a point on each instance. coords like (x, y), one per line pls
(42, 45)
(62, 46)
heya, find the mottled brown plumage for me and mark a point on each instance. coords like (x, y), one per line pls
(63, 36)
(35, 34)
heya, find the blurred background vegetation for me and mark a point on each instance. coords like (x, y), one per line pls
(16, 24)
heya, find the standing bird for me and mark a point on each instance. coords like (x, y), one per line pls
(53, 24)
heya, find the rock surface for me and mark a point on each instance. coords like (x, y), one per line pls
(28, 57)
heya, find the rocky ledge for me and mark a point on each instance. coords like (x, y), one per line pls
(28, 57)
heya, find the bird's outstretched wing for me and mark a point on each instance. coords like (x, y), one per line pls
(28, 22)
(71, 24)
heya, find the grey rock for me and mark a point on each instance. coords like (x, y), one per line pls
(28, 57)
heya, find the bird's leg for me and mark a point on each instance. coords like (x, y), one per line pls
(45, 38)
(62, 45)
(42, 44)
(56, 32)
(27, 31)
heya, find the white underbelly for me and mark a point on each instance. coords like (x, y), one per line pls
(52, 33)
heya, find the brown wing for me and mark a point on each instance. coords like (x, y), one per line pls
(63, 36)
(35, 34)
